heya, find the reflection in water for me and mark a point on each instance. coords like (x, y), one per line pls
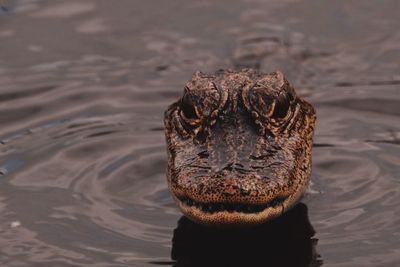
(286, 241)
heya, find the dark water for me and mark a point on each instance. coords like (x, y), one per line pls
(83, 85)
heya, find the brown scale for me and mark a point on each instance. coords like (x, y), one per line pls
(239, 147)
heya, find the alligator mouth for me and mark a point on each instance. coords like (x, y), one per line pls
(214, 207)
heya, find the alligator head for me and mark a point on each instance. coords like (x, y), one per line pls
(239, 147)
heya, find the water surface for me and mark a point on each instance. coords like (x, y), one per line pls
(83, 87)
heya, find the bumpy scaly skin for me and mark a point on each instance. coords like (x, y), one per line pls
(239, 147)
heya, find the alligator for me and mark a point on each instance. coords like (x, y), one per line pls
(239, 147)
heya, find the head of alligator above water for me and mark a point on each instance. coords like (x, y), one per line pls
(239, 147)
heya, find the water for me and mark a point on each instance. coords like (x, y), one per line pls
(83, 87)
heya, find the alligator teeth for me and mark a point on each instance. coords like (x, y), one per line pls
(240, 207)
(231, 207)
(249, 209)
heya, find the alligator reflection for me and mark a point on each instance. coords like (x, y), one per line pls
(286, 241)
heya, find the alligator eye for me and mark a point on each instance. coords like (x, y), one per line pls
(261, 101)
(189, 112)
(281, 108)
(188, 109)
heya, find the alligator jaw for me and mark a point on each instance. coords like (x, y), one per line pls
(233, 215)
(230, 218)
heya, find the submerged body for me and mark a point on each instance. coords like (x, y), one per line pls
(239, 147)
